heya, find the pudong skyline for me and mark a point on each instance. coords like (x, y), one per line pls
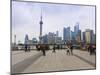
(52, 37)
(27, 22)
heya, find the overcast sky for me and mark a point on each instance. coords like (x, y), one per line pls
(26, 18)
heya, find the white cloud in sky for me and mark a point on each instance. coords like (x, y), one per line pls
(26, 17)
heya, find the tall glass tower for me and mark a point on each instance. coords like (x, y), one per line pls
(76, 27)
(26, 39)
(66, 34)
(76, 30)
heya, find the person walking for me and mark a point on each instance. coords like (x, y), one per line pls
(91, 50)
(94, 49)
(53, 48)
(25, 47)
(43, 49)
(71, 48)
(68, 51)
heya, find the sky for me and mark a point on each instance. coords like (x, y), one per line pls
(26, 18)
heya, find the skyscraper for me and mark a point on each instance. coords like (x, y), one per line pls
(73, 37)
(51, 38)
(84, 40)
(94, 39)
(45, 39)
(26, 39)
(66, 34)
(76, 27)
(88, 35)
(57, 33)
(34, 40)
(76, 31)
(78, 36)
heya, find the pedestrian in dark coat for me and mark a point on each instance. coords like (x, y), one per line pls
(71, 48)
(91, 50)
(43, 49)
(54, 48)
(25, 47)
(68, 51)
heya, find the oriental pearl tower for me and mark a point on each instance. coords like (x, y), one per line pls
(41, 22)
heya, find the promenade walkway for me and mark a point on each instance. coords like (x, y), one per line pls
(34, 61)
(85, 55)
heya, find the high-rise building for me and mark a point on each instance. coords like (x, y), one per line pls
(66, 34)
(88, 35)
(51, 38)
(34, 40)
(73, 37)
(26, 39)
(58, 40)
(83, 36)
(94, 39)
(77, 32)
(92, 36)
(57, 33)
(76, 28)
(45, 39)
(78, 36)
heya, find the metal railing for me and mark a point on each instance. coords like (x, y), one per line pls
(48, 46)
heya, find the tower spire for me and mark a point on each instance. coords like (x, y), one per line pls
(41, 22)
(41, 14)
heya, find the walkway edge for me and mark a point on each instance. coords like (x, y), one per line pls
(21, 66)
(91, 63)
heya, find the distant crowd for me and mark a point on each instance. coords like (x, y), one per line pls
(69, 48)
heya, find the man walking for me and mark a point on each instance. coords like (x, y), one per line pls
(43, 49)
(68, 51)
(25, 47)
(71, 48)
(54, 48)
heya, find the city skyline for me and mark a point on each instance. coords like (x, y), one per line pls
(26, 18)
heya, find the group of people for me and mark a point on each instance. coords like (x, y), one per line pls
(43, 48)
(54, 48)
(69, 50)
(91, 48)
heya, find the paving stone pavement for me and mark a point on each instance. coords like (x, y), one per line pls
(58, 61)
(85, 55)
(18, 56)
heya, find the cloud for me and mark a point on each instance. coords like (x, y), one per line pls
(26, 18)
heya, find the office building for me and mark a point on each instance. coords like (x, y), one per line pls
(66, 34)
(26, 39)
(88, 35)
